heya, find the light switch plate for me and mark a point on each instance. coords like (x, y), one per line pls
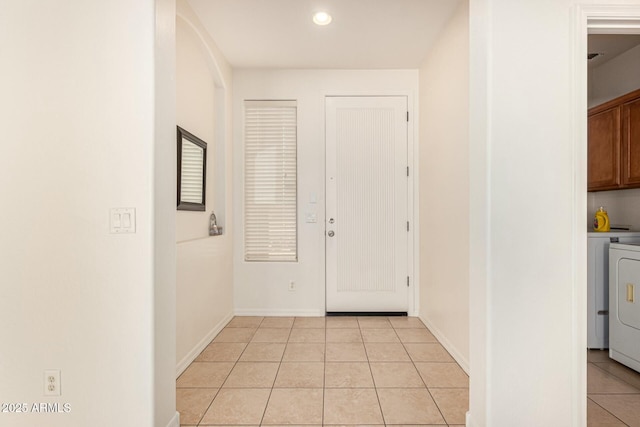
(122, 220)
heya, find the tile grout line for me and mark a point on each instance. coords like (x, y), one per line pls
(421, 378)
(234, 364)
(324, 369)
(264, 412)
(208, 406)
(219, 388)
(614, 375)
(600, 394)
(607, 411)
(384, 421)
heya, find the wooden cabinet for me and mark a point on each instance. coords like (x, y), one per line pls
(614, 144)
(604, 150)
(631, 144)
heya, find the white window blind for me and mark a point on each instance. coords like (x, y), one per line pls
(270, 181)
(191, 175)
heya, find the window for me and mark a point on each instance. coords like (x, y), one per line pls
(192, 171)
(270, 181)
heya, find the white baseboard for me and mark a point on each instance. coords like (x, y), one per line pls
(204, 342)
(276, 312)
(175, 421)
(462, 361)
(468, 422)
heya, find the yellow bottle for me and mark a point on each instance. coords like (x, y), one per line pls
(601, 220)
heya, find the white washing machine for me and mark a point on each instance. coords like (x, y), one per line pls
(624, 304)
(598, 283)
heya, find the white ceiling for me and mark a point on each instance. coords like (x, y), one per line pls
(364, 34)
(609, 46)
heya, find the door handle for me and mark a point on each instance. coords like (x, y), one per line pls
(331, 233)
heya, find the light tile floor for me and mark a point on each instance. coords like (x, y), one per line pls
(317, 371)
(613, 392)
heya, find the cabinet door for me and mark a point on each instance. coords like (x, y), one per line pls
(631, 144)
(604, 150)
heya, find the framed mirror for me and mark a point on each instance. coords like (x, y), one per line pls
(192, 171)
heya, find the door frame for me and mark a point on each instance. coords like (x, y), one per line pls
(413, 241)
(588, 19)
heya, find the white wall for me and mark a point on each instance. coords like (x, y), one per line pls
(195, 112)
(444, 187)
(614, 78)
(527, 276)
(164, 172)
(79, 112)
(262, 288)
(204, 294)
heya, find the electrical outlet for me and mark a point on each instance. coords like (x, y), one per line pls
(52, 382)
(292, 285)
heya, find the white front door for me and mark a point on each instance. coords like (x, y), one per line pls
(366, 190)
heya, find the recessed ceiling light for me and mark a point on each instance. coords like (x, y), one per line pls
(322, 18)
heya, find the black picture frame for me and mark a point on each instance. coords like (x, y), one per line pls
(190, 203)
